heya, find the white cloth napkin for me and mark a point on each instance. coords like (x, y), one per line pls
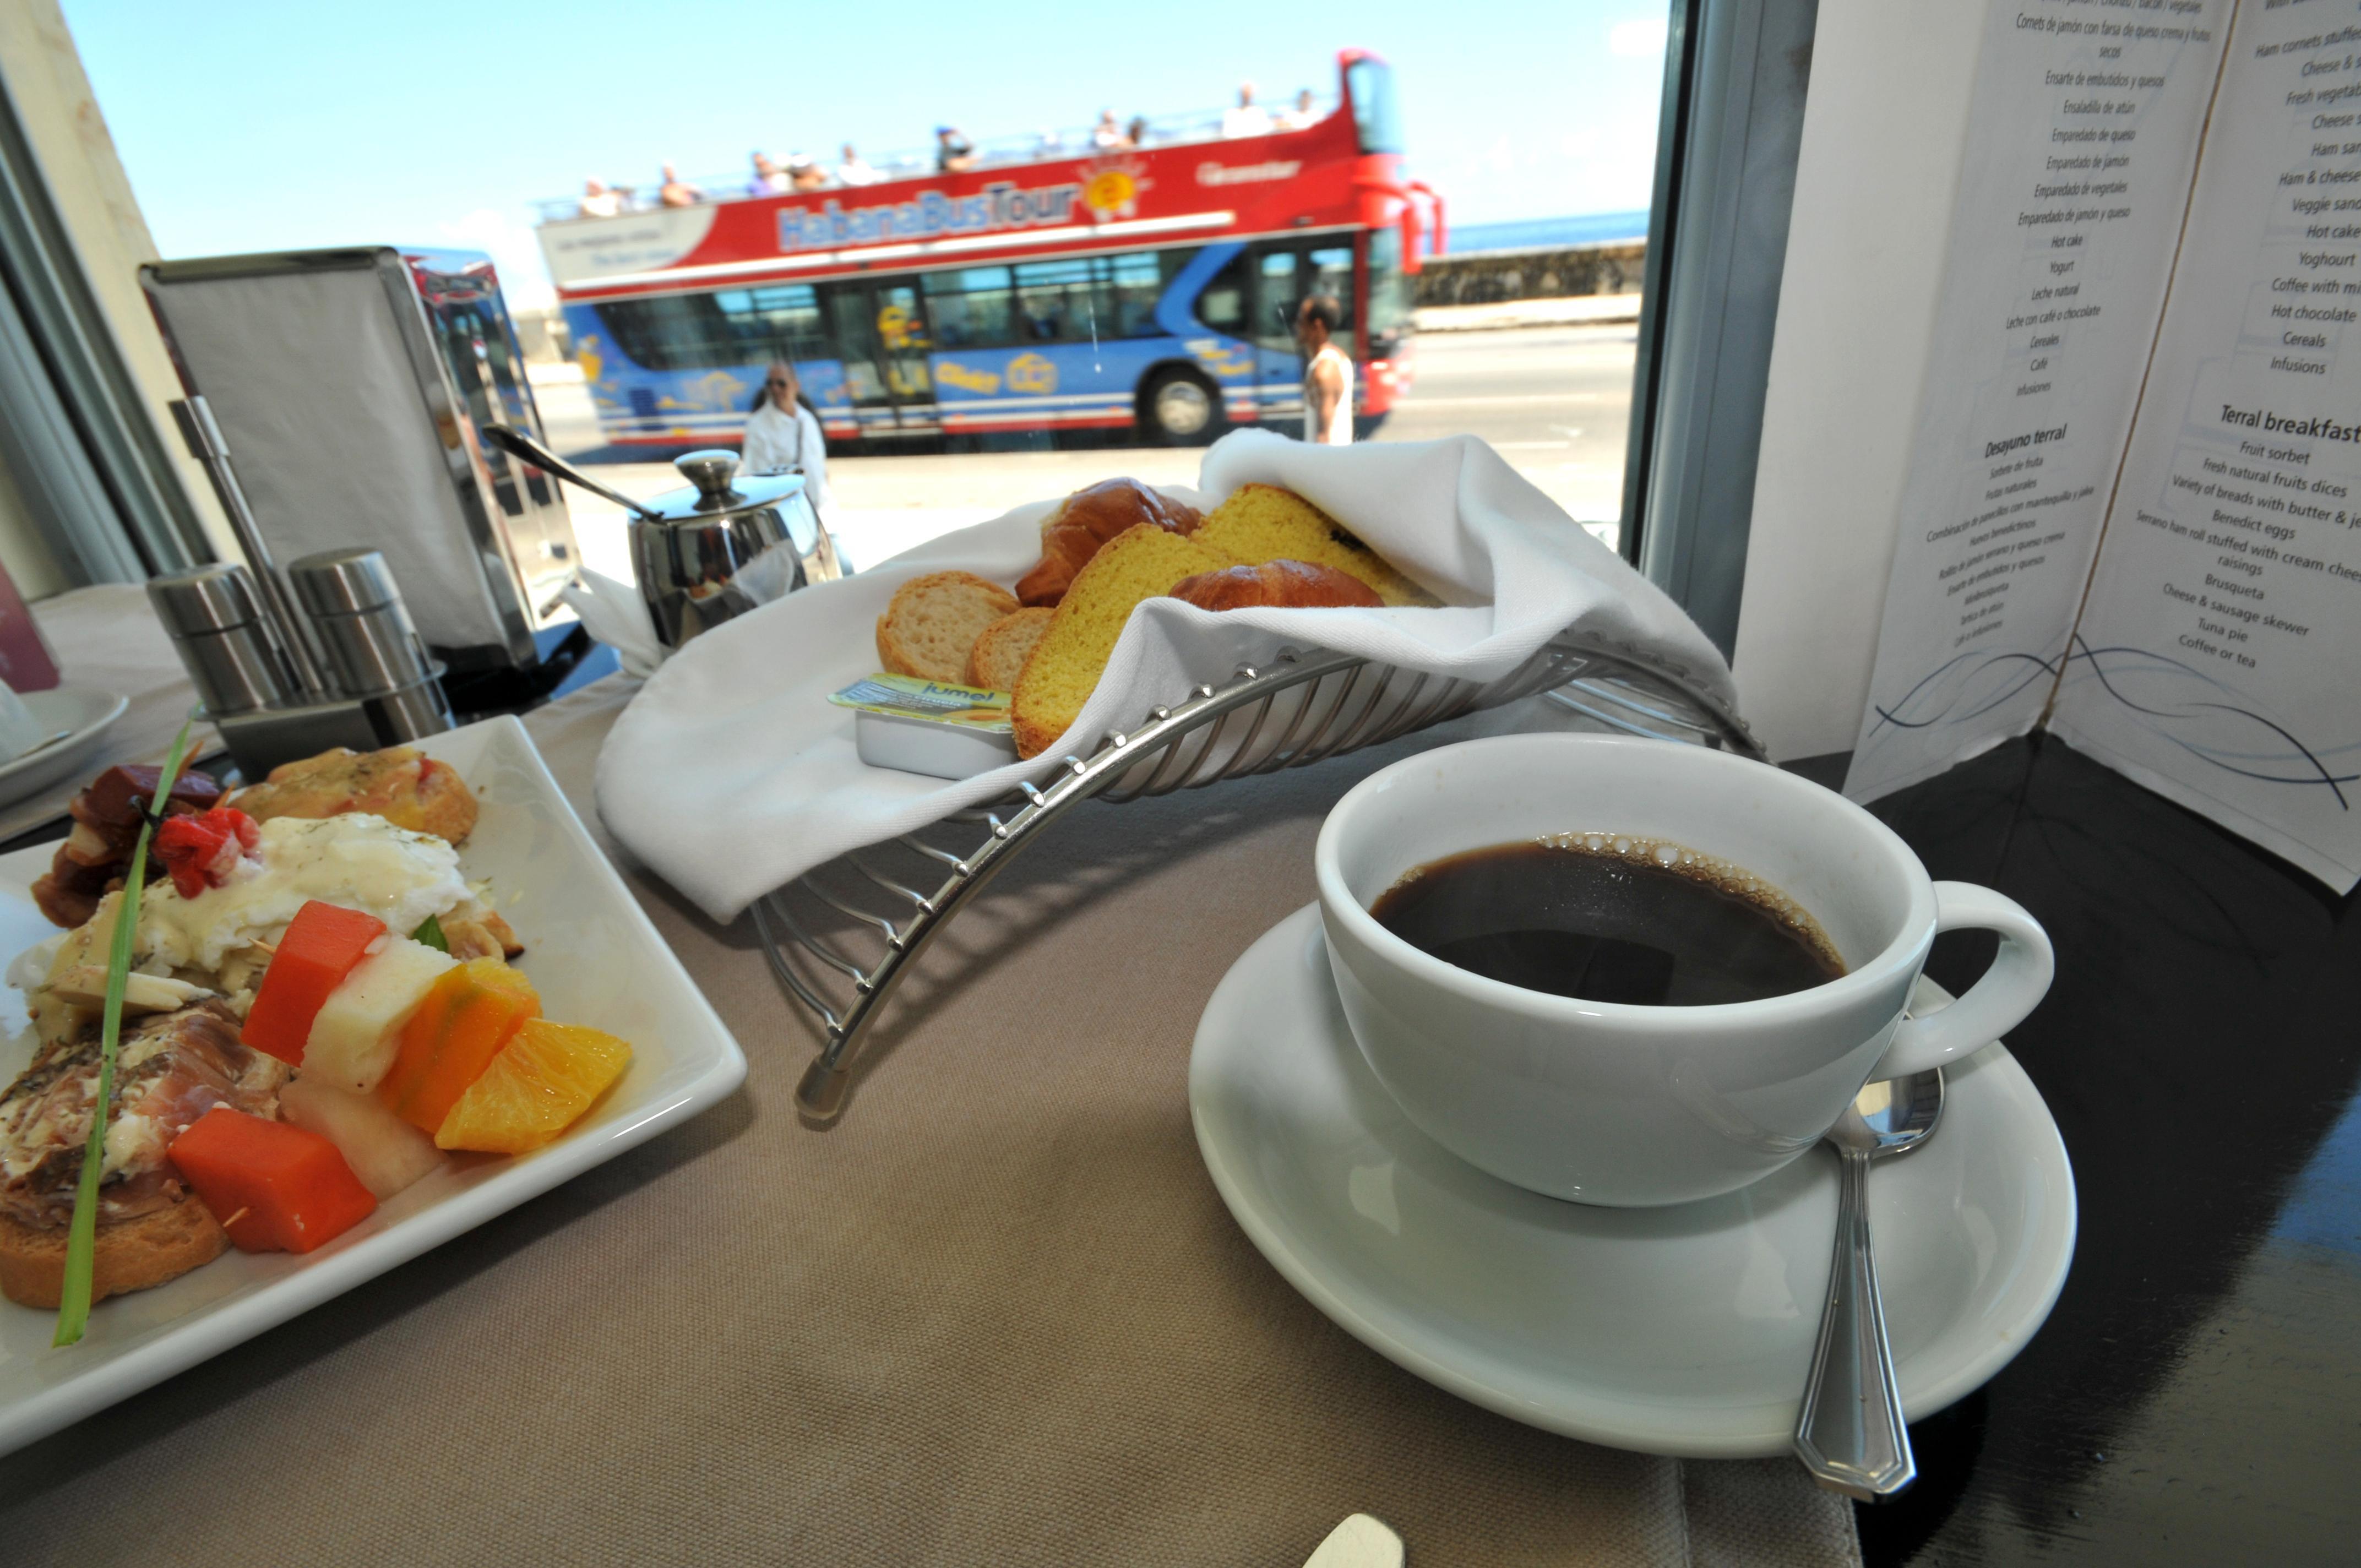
(615, 614)
(730, 773)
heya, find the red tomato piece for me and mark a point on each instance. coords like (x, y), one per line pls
(275, 1187)
(199, 850)
(323, 944)
(187, 845)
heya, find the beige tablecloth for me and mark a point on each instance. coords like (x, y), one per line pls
(997, 1314)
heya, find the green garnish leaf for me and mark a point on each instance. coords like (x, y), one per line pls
(81, 1239)
(430, 935)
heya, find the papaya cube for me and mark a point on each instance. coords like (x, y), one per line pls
(275, 1187)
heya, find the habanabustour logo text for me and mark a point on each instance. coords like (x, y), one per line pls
(930, 215)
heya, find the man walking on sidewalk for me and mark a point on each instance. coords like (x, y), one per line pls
(1327, 372)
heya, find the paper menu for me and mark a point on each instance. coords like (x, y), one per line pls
(2080, 141)
(2130, 509)
(2219, 658)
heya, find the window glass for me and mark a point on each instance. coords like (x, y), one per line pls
(783, 319)
(1389, 293)
(1057, 302)
(1371, 84)
(1222, 305)
(970, 307)
(856, 330)
(1275, 298)
(1329, 270)
(732, 328)
(1138, 282)
(1051, 302)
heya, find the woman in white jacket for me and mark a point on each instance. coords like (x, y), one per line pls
(782, 434)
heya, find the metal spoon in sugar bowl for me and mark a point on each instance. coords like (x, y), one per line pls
(1850, 1433)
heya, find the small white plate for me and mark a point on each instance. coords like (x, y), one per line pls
(1685, 1330)
(86, 714)
(594, 959)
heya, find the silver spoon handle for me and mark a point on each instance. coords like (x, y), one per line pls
(1850, 1433)
(516, 444)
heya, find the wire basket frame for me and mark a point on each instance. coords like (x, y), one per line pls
(886, 902)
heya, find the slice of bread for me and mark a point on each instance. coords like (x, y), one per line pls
(999, 654)
(1264, 522)
(932, 623)
(1138, 563)
(132, 1254)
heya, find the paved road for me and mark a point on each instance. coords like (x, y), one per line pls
(1552, 401)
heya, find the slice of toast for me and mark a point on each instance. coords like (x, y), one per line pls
(932, 623)
(1264, 522)
(131, 1255)
(999, 654)
(1138, 563)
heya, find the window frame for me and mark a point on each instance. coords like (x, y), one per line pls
(1736, 74)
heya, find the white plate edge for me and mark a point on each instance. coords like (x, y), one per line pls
(208, 1333)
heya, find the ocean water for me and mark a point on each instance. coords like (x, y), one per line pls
(1541, 234)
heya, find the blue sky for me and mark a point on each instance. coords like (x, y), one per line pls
(263, 125)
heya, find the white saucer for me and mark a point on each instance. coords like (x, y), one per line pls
(1683, 1330)
(86, 714)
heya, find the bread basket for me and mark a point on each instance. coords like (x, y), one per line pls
(842, 937)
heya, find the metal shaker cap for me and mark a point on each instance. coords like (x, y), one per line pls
(342, 582)
(219, 597)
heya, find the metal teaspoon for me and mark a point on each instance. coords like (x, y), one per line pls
(1850, 1433)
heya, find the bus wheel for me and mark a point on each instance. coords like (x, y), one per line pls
(1178, 407)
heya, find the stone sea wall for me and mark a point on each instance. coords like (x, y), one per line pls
(1490, 277)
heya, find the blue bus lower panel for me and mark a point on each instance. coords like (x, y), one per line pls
(982, 390)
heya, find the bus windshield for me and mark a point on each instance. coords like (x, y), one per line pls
(1371, 84)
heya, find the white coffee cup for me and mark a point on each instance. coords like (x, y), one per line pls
(1629, 1106)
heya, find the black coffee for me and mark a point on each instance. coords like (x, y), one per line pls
(1610, 919)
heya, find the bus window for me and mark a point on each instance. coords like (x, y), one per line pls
(778, 320)
(1370, 84)
(1329, 272)
(1388, 315)
(720, 330)
(1139, 279)
(856, 335)
(1222, 305)
(669, 332)
(1275, 300)
(970, 307)
(1057, 302)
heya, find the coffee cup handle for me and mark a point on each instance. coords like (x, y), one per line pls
(1997, 1002)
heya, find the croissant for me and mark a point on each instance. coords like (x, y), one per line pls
(1089, 518)
(1288, 584)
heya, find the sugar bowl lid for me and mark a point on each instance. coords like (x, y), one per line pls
(716, 489)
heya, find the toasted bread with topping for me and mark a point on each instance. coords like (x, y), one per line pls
(399, 783)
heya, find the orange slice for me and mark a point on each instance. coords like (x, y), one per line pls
(536, 1088)
(469, 1015)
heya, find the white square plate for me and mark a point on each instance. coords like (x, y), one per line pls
(594, 960)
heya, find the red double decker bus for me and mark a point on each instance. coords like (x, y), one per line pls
(1150, 288)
